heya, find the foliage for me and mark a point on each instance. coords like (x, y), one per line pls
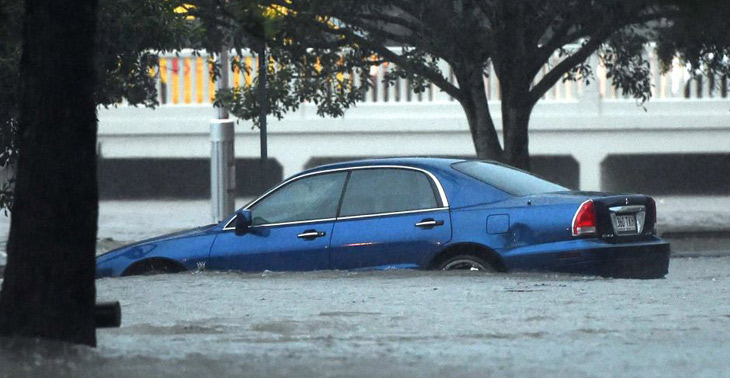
(304, 66)
(626, 65)
(698, 35)
(131, 32)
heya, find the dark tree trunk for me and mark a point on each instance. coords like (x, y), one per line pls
(516, 109)
(515, 122)
(48, 291)
(474, 103)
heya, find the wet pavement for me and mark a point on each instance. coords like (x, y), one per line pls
(406, 324)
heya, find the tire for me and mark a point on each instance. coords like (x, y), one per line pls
(153, 272)
(151, 268)
(466, 262)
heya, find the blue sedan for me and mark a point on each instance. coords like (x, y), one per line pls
(415, 213)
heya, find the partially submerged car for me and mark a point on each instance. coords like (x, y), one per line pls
(419, 213)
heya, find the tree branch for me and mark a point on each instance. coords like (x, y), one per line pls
(413, 27)
(588, 48)
(400, 60)
(552, 77)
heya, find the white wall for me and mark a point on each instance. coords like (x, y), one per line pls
(589, 129)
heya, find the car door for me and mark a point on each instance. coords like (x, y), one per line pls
(291, 228)
(389, 217)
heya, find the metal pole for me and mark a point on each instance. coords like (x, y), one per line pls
(222, 169)
(263, 110)
(222, 155)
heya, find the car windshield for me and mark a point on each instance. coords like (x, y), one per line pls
(507, 179)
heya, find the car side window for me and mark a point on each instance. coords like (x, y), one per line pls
(308, 198)
(373, 191)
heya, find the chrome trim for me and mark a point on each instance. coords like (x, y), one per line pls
(392, 213)
(429, 223)
(310, 234)
(627, 209)
(434, 179)
(228, 228)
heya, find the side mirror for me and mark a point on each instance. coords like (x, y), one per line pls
(243, 221)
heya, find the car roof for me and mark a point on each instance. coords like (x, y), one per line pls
(428, 163)
(461, 189)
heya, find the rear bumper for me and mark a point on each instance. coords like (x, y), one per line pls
(647, 259)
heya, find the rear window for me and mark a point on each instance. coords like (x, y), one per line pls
(374, 191)
(507, 179)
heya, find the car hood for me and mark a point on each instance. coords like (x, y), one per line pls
(174, 235)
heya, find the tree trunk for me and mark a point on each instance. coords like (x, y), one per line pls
(48, 290)
(515, 122)
(474, 103)
(514, 85)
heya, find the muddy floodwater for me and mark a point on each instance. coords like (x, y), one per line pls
(404, 324)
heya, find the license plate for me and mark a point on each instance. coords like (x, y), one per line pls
(625, 223)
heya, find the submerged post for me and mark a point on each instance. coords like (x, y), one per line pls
(222, 169)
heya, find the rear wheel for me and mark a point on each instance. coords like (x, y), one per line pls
(466, 262)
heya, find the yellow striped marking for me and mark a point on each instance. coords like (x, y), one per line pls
(163, 70)
(199, 80)
(175, 80)
(187, 85)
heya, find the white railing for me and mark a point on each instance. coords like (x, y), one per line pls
(185, 79)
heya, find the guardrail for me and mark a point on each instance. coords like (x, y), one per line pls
(186, 79)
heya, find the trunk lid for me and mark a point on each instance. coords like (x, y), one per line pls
(624, 217)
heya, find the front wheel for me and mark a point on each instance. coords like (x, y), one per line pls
(153, 267)
(466, 262)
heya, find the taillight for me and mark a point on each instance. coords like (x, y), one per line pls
(584, 221)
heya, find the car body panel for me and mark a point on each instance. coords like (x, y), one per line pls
(272, 248)
(591, 256)
(388, 240)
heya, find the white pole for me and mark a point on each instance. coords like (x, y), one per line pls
(222, 155)
(222, 169)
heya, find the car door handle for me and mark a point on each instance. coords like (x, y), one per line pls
(429, 222)
(311, 234)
